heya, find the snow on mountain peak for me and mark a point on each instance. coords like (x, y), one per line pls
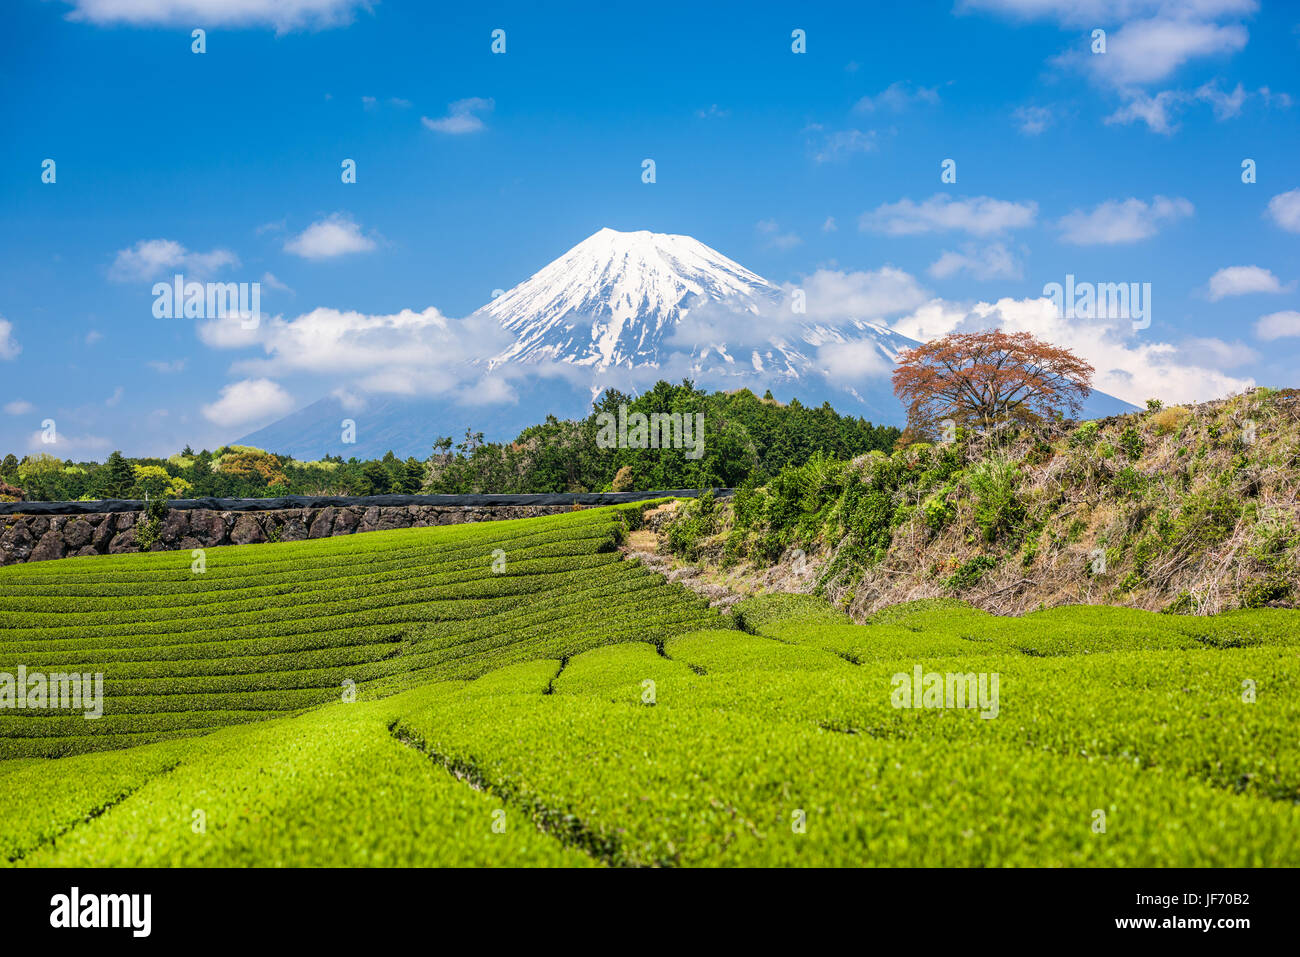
(613, 298)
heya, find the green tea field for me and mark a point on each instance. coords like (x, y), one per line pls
(518, 694)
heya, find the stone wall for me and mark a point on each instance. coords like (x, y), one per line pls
(33, 538)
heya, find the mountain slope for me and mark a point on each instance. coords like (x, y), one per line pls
(612, 299)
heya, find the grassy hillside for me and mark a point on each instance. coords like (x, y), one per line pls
(269, 629)
(1190, 510)
(1120, 738)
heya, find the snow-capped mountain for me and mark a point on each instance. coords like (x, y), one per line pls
(612, 299)
(628, 300)
(622, 309)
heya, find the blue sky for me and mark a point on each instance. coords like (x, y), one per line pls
(476, 169)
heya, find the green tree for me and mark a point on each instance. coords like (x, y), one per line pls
(413, 476)
(376, 479)
(116, 477)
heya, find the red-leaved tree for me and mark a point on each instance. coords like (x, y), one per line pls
(985, 379)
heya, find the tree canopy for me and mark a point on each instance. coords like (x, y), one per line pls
(742, 437)
(984, 379)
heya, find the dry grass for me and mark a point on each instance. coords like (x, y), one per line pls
(1192, 523)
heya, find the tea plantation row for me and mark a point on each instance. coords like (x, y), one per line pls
(568, 708)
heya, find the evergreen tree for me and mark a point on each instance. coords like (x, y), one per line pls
(118, 477)
(413, 476)
(376, 479)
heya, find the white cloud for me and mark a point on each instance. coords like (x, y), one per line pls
(370, 103)
(1284, 208)
(774, 237)
(714, 112)
(1225, 105)
(93, 336)
(709, 325)
(853, 361)
(1241, 281)
(1146, 41)
(407, 352)
(979, 216)
(68, 445)
(1154, 37)
(249, 400)
(897, 97)
(1145, 51)
(1121, 221)
(351, 401)
(1127, 366)
(994, 261)
(229, 332)
(462, 116)
(167, 368)
(18, 407)
(842, 143)
(839, 297)
(1155, 111)
(1278, 325)
(1269, 97)
(269, 279)
(1089, 12)
(829, 226)
(282, 15)
(1033, 120)
(336, 235)
(115, 398)
(1159, 111)
(833, 302)
(155, 258)
(9, 347)
(1223, 355)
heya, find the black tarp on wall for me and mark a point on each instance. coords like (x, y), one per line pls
(320, 501)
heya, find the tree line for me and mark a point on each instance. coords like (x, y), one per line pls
(745, 438)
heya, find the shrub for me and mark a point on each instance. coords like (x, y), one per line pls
(1129, 481)
(1271, 539)
(1084, 436)
(32, 467)
(246, 462)
(969, 573)
(938, 510)
(624, 480)
(1131, 442)
(150, 523)
(155, 482)
(1262, 593)
(696, 521)
(1170, 420)
(998, 510)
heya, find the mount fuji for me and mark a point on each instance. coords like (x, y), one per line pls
(622, 310)
(614, 298)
